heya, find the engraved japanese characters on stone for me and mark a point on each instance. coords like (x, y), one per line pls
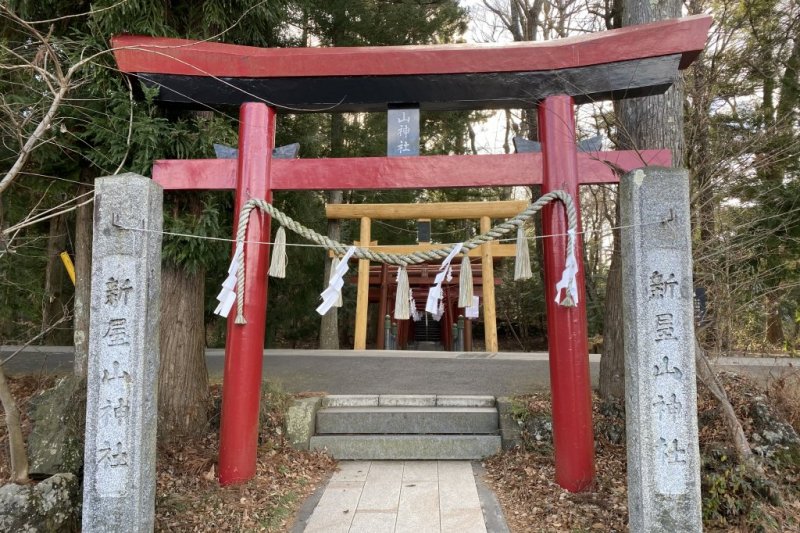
(662, 286)
(665, 327)
(116, 333)
(667, 369)
(112, 457)
(115, 411)
(667, 405)
(671, 452)
(116, 372)
(117, 290)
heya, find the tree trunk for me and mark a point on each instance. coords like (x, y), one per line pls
(16, 443)
(53, 302)
(183, 396)
(329, 325)
(774, 323)
(612, 363)
(706, 375)
(643, 123)
(83, 285)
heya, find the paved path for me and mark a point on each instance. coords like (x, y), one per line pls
(402, 496)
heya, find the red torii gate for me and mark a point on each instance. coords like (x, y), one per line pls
(553, 75)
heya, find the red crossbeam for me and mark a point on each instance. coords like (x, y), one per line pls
(685, 36)
(402, 172)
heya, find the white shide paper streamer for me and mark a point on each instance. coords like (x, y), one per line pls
(331, 295)
(227, 296)
(435, 292)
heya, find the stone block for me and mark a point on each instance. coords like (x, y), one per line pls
(122, 377)
(660, 385)
(407, 400)
(350, 400)
(465, 401)
(55, 444)
(510, 429)
(300, 421)
(407, 447)
(52, 505)
(407, 420)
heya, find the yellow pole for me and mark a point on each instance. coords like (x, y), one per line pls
(69, 266)
(362, 297)
(489, 313)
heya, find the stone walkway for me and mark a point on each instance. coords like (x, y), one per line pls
(401, 496)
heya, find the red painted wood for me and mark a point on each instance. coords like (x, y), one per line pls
(566, 326)
(160, 55)
(402, 172)
(245, 343)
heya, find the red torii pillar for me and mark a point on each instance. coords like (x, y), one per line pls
(244, 345)
(567, 342)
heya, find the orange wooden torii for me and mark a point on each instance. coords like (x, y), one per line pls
(483, 211)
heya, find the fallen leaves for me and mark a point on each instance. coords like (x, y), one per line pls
(189, 498)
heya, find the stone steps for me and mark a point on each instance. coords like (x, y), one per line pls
(407, 447)
(407, 420)
(407, 427)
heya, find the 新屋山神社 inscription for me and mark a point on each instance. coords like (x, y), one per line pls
(116, 379)
(664, 289)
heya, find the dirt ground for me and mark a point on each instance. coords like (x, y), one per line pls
(734, 499)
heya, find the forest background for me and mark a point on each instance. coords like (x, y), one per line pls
(67, 116)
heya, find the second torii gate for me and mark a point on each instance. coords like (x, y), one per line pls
(551, 75)
(483, 211)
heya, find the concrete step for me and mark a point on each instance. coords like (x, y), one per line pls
(407, 420)
(407, 400)
(407, 447)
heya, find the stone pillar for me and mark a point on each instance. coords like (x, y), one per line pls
(120, 451)
(661, 396)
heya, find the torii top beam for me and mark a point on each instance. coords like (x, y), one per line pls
(628, 62)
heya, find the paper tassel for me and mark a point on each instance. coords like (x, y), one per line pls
(472, 310)
(465, 283)
(568, 280)
(227, 297)
(277, 267)
(415, 315)
(445, 272)
(522, 263)
(402, 299)
(332, 294)
(439, 312)
(334, 267)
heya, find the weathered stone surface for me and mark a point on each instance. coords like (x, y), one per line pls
(55, 444)
(52, 506)
(120, 450)
(393, 447)
(770, 433)
(407, 400)
(350, 400)
(510, 427)
(661, 401)
(300, 421)
(407, 420)
(465, 401)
